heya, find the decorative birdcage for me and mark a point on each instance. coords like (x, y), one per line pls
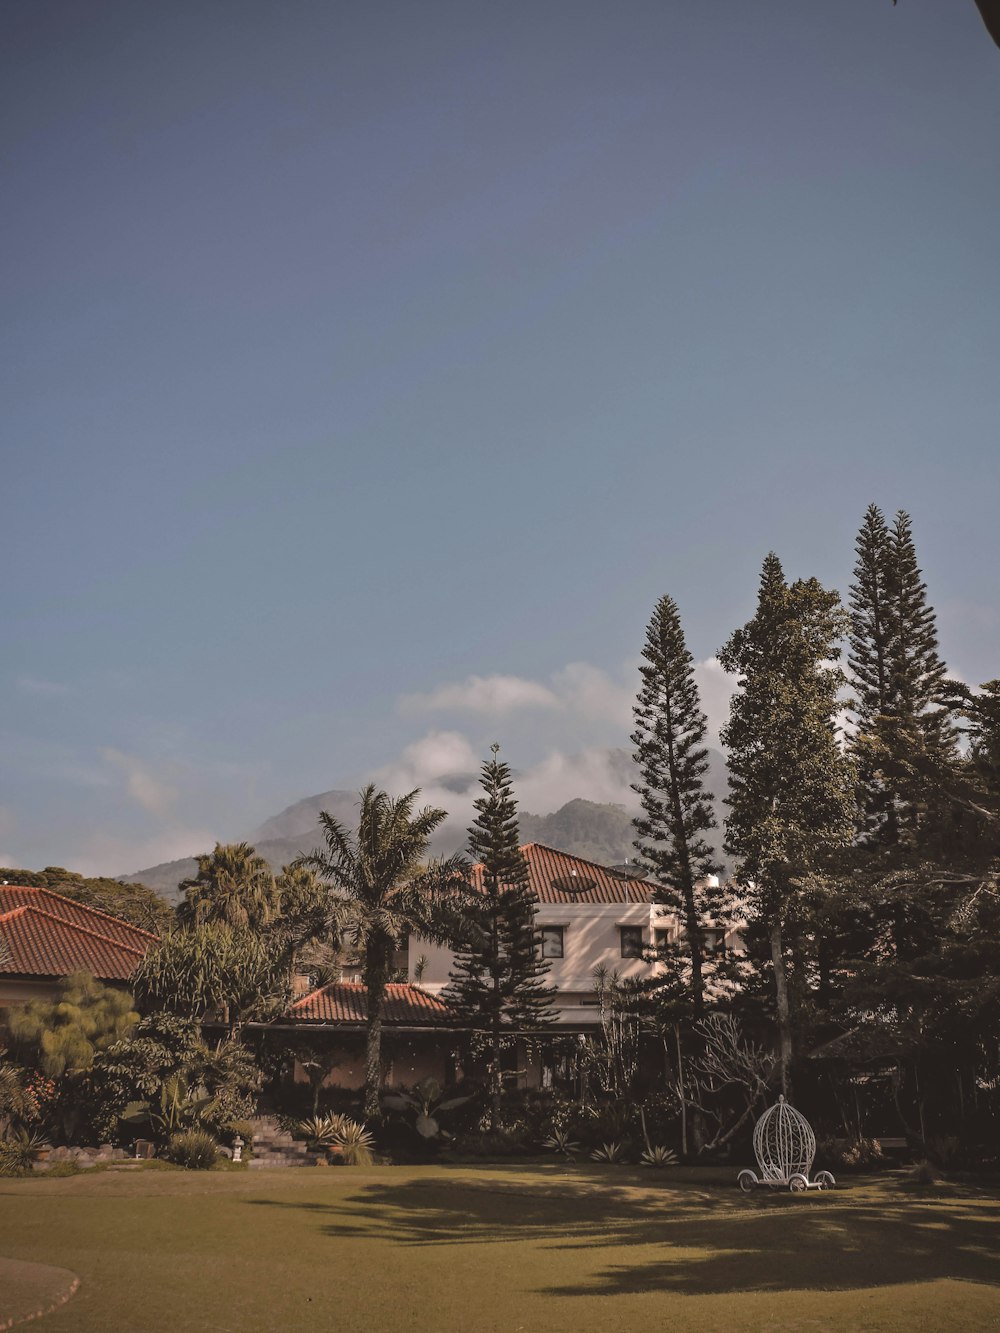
(785, 1146)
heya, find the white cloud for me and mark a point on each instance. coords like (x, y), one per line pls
(594, 694)
(148, 791)
(715, 687)
(46, 689)
(580, 691)
(481, 694)
(594, 774)
(109, 854)
(439, 754)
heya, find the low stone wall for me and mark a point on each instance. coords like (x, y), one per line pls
(83, 1157)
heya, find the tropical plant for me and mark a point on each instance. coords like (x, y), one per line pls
(560, 1141)
(426, 1102)
(658, 1156)
(355, 1143)
(496, 985)
(613, 1152)
(233, 886)
(17, 1106)
(193, 1149)
(64, 1034)
(379, 874)
(320, 1131)
(15, 1157)
(177, 1108)
(215, 968)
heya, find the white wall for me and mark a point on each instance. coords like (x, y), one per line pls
(590, 939)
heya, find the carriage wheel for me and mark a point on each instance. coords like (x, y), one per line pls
(797, 1184)
(825, 1181)
(747, 1181)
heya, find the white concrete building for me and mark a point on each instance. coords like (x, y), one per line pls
(589, 916)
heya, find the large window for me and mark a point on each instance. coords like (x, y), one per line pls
(552, 941)
(631, 937)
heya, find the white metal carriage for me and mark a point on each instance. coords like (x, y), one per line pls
(785, 1146)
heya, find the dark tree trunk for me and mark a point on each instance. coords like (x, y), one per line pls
(783, 1008)
(376, 977)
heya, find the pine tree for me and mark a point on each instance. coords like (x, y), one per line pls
(676, 809)
(905, 742)
(496, 986)
(790, 802)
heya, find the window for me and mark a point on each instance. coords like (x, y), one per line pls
(663, 937)
(552, 941)
(631, 941)
(715, 940)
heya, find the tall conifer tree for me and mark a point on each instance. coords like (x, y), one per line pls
(790, 802)
(676, 808)
(905, 740)
(496, 987)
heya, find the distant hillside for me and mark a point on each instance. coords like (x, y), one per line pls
(601, 833)
(598, 831)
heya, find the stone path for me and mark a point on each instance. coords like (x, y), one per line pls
(28, 1291)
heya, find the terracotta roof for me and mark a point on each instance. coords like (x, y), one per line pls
(41, 944)
(78, 914)
(558, 877)
(347, 1001)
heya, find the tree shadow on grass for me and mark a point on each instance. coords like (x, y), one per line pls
(705, 1243)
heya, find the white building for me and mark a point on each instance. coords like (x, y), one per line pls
(589, 916)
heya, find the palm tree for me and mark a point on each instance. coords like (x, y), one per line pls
(233, 886)
(380, 871)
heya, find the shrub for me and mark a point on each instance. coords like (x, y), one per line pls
(924, 1173)
(15, 1157)
(613, 1152)
(657, 1155)
(560, 1141)
(860, 1155)
(193, 1149)
(355, 1143)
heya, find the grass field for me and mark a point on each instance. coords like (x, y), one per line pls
(533, 1248)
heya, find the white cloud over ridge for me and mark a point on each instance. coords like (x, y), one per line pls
(148, 791)
(587, 754)
(585, 691)
(481, 694)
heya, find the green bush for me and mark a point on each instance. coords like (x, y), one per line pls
(15, 1157)
(193, 1149)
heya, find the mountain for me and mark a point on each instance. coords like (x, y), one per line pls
(598, 830)
(601, 833)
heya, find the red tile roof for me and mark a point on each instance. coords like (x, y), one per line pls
(47, 935)
(347, 1002)
(91, 918)
(558, 877)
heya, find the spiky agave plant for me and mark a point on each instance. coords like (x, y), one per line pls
(657, 1155)
(613, 1152)
(560, 1141)
(354, 1141)
(320, 1131)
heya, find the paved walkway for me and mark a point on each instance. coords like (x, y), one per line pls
(28, 1291)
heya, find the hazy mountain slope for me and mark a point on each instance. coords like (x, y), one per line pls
(599, 831)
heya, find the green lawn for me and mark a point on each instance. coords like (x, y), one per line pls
(534, 1248)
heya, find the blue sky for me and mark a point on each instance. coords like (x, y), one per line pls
(354, 351)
